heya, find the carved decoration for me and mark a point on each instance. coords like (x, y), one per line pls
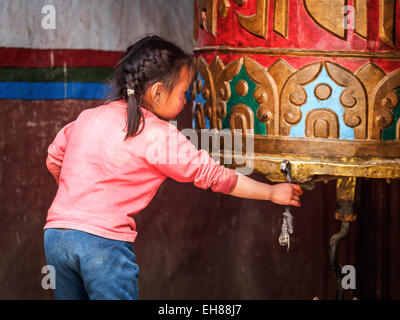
(199, 116)
(216, 69)
(242, 88)
(216, 90)
(369, 83)
(361, 27)
(205, 16)
(342, 54)
(364, 100)
(370, 74)
(322, 123)
(208, 90)
(265, 94)
(223, 8)
(328, 14)
(386, 21)
(398, 130)
(353, 99)
(280, 71)
(257, 23)
(323, 91)
(241, 117)
(383, 100)
(223, 90)
(294, 95)
(281, 17)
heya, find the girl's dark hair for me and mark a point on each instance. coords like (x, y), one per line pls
(151, 59)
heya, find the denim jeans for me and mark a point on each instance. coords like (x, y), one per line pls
(91, 267)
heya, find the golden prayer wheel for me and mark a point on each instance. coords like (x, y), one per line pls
(316, 82)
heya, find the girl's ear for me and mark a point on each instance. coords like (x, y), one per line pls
(156, 92)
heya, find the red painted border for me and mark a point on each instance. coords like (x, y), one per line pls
(304, 33)
(298, 62)
(45, 58)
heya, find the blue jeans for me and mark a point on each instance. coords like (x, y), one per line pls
(91, 267)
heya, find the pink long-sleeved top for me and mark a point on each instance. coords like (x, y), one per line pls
(104, 180)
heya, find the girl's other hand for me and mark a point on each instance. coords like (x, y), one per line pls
(286, 194)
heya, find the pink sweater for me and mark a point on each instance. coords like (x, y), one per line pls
(105, 180)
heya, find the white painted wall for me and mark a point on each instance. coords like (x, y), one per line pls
(95, 24)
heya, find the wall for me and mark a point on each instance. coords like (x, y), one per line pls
(94, 24)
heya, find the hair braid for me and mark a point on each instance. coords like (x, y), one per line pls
(152, 59)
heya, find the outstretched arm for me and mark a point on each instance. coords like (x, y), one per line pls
(197, 166)
(281, 193)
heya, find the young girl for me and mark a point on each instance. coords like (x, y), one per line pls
(110, 162)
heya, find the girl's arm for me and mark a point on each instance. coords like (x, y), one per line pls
(56, 151)
(281, 193)
(53, 168)
(200, 168)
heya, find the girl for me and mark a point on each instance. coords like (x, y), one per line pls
(110, 162)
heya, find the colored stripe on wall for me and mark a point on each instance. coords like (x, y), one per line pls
(91, 74)
(45, 58)
(55, 90)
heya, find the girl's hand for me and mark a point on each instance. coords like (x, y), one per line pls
(286, 194)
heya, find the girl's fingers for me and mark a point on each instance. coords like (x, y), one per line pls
(295, 203)
(298, 189)
(297, 192)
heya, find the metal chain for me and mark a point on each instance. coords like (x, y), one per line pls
(287, 224)
(287, 229)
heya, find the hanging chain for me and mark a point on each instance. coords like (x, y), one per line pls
(287, 229)
(287, 224)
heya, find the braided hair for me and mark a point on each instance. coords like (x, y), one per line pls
(150, 60)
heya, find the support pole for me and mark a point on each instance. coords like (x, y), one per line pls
(347, 198)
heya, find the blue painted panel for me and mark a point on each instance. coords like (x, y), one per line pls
(200, 98)
(333, 103)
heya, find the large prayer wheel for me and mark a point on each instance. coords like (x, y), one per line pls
(316, 81)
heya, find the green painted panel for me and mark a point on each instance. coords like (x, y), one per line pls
(390, 132)
(248, 99)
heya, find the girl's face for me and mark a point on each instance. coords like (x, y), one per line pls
(168, 104)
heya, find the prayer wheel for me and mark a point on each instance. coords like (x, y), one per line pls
(316, 82)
